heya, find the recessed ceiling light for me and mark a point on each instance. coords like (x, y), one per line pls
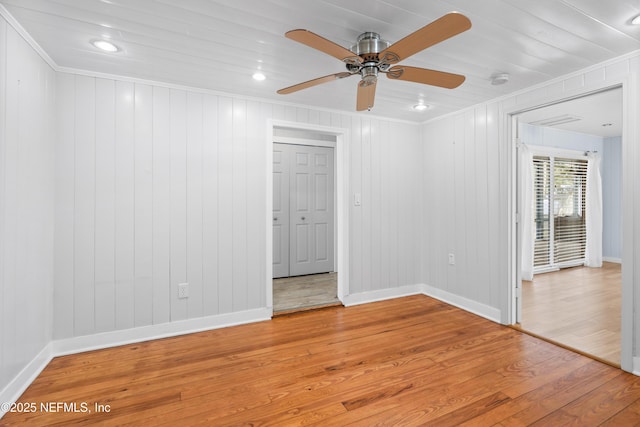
(636, 20)
(105, 46)
(258, 76)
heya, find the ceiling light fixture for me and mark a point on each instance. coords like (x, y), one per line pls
(499, 79)
(258, 76)
(420, 107)
(105, 46)
(636, 20)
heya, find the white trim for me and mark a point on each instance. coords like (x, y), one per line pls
(541, 150)
(382, 294)
(482, 310)
(341, 204)
(12, 392)
(490, 313)
(636, 366)
(152, 332)
(612, 259)
(27, 37)
(303, 141)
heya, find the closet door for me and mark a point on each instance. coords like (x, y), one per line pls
(281, 159)
(311, 210)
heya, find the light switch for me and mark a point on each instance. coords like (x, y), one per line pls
(357, 199)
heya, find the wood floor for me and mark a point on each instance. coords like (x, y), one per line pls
(408, 361)
(298, 293)
(579, 307)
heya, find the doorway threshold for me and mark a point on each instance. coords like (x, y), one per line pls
(519, 328)
(286, 312)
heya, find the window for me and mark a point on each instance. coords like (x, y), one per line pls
(559, 191)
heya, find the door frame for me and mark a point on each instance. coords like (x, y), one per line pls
(630, 109)
(341, 207)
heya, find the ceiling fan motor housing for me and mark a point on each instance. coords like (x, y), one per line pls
(369, 45)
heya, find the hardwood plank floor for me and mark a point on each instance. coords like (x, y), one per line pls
(579, 307)
(291, 294)
(408, 361)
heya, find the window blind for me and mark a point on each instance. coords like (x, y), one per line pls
(560, 186)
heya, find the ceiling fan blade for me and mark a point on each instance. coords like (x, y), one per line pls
(425, 76)
(439, 30)
(366, 96)
(323, 45)
(314, 82)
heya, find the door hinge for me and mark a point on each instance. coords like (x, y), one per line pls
(517, 218)
(518, 292)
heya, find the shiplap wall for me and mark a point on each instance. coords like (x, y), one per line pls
(465, 208)
(467, 182)
(27, 95)
(157, 186)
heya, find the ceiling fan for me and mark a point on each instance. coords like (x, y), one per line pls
(371, 55)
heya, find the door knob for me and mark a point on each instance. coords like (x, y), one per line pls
(275, 218)
(303, 218)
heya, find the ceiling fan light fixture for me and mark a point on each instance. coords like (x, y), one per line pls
(636, 20)
(105, 46)
(258, 76)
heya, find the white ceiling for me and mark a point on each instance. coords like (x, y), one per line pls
(597, 114)
(219, 44)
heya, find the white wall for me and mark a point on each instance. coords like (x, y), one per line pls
(611, 199)
(157, 186)
(468, 181)
(27, 92)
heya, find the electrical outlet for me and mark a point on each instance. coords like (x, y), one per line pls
(183, 290)
(452, 259)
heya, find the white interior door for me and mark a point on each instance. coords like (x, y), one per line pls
(311, 210)
(280, 210)
(303, 204)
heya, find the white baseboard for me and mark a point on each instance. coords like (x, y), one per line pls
(611, 259)
(152, 332)
(466, 304)
(12, 392)
(636, 366)
(381, 295)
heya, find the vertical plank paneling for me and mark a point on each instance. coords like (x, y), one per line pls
(240, 195)
(210, 168)
(84, 210)
(375, 205)
(194, 204)
(355, 218)
(482, 210)
(385, 173)
(125, 199)
(225, 204)
(367, 229)
(494, 168)
(460, 198)
(64, 212)
(143, 205)
(161, 167)
(178, 201)
(5, 375)
(105, 230)
(256, 206)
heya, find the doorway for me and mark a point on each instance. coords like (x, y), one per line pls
(305, 220)
(561, 299)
